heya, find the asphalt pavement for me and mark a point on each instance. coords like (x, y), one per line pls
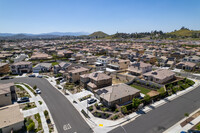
(65, 116)
(163, 117)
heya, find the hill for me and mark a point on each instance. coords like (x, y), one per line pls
(184, 32)
(98, 34)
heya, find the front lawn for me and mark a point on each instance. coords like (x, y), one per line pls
(142, 89)
(54, 63)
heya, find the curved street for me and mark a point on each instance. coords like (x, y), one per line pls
(65, 116)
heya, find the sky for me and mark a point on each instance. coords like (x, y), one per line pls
(109, 16)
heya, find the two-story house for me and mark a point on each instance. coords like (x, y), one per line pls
(118, 64)
(7, 94)
(74, 74)
(95, 80)
(21, 67)
(138, 68)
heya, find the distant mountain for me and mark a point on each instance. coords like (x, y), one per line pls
(66, 33)
(46, 34)
(99, 34)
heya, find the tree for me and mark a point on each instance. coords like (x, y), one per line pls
(136, 102)
(186, 115)
(35, 87)
(147, 98)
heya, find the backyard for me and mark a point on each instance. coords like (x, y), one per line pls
(142, 89)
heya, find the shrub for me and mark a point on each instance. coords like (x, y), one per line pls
(115, 117)
(35, 87)
(91, 108)
(31, 126)
(124, 110)
(198, 127)
(46, 113)
(136, 102)
(107, 115)
(116, 110)
(147, 98)
(98, 114)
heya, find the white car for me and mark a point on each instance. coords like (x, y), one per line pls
(38, 91)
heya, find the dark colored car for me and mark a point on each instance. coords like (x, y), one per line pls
(92, 100)
(193, 131)
(33, 75)
(6, 77)
(39, 76)
(23, 99)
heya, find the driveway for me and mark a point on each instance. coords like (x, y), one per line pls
(65, 116)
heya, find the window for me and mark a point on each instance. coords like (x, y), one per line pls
(13, 67)
(7, 94)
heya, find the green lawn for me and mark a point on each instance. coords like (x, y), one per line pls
(54, 63)
(142, 89)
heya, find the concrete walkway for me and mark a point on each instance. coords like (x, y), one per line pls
(39, 109)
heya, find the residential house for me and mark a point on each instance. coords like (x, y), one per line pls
(95, 80)
(117, 94)
(40, 56)
(118, 64)
(159, 76)
(138, 68)
(11, 119)
(21, 67)
(194, 59)
(74, 74)
(186, 66)
(42, 67)
(103, 60)
(62, 66)
(4, 68)
(7, 94)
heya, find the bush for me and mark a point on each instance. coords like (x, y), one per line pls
(90, 108)
(124, 110)
(31, 126)
(98, 114)
(116, 110)
(46, 113)
(115, 117)
(35, 87)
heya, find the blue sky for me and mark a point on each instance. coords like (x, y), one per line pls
(110, 16)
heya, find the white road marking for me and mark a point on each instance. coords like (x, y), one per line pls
(67, 127)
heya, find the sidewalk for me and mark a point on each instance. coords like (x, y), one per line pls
(177, 127)
(98, 124)
(39, 109)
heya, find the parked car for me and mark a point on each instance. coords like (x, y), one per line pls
(92, 100)
(23, 99)
(193, 131)
(39, 76)
(62, 80)
(6, 77)
(37, 91)
(33, 75)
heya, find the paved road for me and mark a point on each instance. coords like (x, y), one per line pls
(61, 109)
(165, 116)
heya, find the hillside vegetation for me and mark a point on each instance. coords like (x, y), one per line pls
(98, 34)
(184, 32)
